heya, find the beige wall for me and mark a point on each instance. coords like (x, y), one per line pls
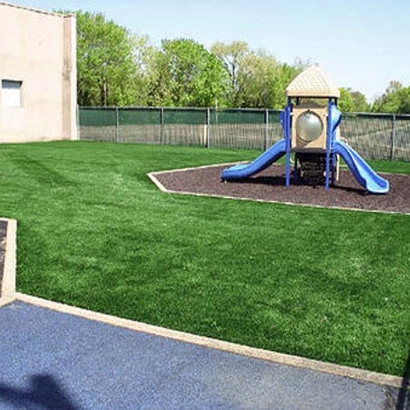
(38, 49)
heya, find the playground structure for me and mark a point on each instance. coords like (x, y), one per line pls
(310, 124)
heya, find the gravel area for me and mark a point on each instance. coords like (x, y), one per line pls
(269, 185)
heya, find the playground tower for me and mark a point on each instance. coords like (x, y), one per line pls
(310, 123)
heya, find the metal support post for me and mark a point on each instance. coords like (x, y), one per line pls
(208, 126)
(162, 132)
(393, 138)
(265, 145)
(117, 124)
(328, 144)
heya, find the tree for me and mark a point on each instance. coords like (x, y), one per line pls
(232, 56)
(346, 102)
(283, 77)
(115, 67)
(352, 101)
(106, 67)
(258, 70)
(184, 73)
(360, 103)
(396, 99)
(145, 56)
(257, 79)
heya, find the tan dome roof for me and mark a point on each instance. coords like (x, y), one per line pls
(312, 82)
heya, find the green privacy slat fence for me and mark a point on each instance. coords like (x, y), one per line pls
(142, 116)
(189, 116)
(378, 136)
(98, 124)
(374, 136)
(98, 116)
(231, 116)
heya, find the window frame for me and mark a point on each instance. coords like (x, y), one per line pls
(11, 93)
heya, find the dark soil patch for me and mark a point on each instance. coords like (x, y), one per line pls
(269, 185)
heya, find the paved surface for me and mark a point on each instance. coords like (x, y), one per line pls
(52, 360)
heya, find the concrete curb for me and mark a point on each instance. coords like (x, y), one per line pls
(153, 177)
(255, 353)
(8, 285)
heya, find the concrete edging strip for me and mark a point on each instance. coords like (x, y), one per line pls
(153, 177)
(255, 353)
(8, 285)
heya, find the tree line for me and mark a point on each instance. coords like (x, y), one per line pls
(118, 68)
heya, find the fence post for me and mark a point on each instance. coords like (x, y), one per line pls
(117, 124)
(162, 132)
(265, 147)
(208, 123)
(393, 137)
(78, 136)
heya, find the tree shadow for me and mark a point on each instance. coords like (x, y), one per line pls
(43, 174)
(43, 391)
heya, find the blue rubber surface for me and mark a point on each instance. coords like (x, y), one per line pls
(52, 360)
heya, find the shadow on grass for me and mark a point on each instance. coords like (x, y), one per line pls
(39, 171)
(44, 391)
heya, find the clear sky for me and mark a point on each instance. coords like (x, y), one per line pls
(362, 44)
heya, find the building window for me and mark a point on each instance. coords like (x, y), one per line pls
(11, 93)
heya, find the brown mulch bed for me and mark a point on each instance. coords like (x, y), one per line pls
(269, 185)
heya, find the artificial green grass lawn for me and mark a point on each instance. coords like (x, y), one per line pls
(94, 232)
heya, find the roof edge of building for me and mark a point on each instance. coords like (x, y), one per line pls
(48, 13)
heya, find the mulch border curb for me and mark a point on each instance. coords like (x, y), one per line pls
(162, 188)
(251, 352)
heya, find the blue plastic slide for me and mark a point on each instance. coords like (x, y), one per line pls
(364, 175)
(259, 164)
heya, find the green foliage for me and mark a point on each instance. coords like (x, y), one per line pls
(186, 74)
(232, 56)
(116, 67)
(352, 101)
(105, 65)
(258, 74)
(144, 56)
(360, 103)
(396, 99)
(346, 100)
(257, 79)
(277, 86)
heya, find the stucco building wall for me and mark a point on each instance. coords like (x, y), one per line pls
(37, 54)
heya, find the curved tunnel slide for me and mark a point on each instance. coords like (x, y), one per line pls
(364, 175)
(259, 164)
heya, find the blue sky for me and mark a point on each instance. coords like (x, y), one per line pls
(360, 44)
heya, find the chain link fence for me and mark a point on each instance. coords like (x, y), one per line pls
(373, 136)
